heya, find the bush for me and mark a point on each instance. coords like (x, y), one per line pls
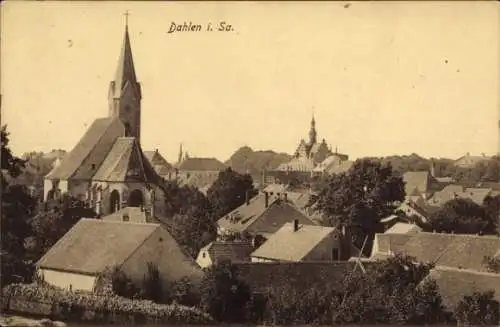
(105, 308)
(478, 309)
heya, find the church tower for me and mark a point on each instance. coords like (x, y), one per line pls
(125, 92)
(312, 133)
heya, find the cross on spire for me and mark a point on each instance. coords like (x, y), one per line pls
(126, 14)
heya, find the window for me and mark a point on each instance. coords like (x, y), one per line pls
(335, 254)
(93, 166)
(203, 255)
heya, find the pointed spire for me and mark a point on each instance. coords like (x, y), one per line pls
(312, 132)
(125, 72)
(179, 158)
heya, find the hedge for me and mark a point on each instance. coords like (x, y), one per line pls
(84, 306)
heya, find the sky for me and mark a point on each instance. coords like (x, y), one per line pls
(381, 78)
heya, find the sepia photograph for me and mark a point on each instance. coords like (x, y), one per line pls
(250, 163)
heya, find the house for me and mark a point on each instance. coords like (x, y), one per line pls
(457, 191)
(107, 167)
(217, 251)
(94, 245)
(449, 250)
(454, 284)
(264, 214)
(197, 172)
(469, 161)
(297, 243)
(159, 164)
(418, 182)
(402, 228)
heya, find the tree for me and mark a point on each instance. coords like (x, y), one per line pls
(478, 309)
(54, 219)
(223, 295)
(152, 288)
(360, 197)
(462, 216)
(17, 207)
(229, 191)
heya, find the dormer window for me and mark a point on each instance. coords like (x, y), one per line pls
(93, 166)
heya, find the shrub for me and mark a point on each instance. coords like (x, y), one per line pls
(89, 306)
(152, 286)
(478, 309)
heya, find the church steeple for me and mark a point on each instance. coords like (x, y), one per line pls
(124, 91)
(312, 131)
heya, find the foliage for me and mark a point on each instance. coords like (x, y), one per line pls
(247, 160)
(462, 216)
(54, 219)
(478, 309)
(183, 292)
(360, 197)
(17, 207)
(223, 295)
(191, 221)
(229, 191)
(492, 264)
(105, 306)
(152, 287)
(122, 285)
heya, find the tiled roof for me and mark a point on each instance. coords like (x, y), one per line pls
(416, 180)
(94, 244)
(255, 217)
(402, 228)
(452, 191)
(125, 162)
(451, 250)
(334, 164)
(298, 275)
(90, 151)
(157, 160)
(201, 164)
(200, 180)
(130, 214)
(455, 283)
(289, 245)
(297, 164)
(235, 251)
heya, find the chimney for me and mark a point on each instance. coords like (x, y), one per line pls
(267, 199)
(285, 197)
(295, 225)
(247, 197)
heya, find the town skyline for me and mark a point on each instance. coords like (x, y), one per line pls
(378, 93)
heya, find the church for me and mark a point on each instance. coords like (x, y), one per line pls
(107, 168)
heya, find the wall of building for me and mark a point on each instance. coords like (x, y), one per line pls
(203, 259)
(162, 250)
(67, 280)
(324, 250)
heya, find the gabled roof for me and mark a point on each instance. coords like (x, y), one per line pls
(289, 245)
(201, 180)
(201, 164)
(92, 245)
(451, 250)
(402, 228)
(416, 180)
(155, 158)
(90, 151)
(125, 162)
(256, 218)
(452, 191)
(235, 251)
(455, 283)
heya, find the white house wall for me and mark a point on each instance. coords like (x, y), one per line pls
(66, 279)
